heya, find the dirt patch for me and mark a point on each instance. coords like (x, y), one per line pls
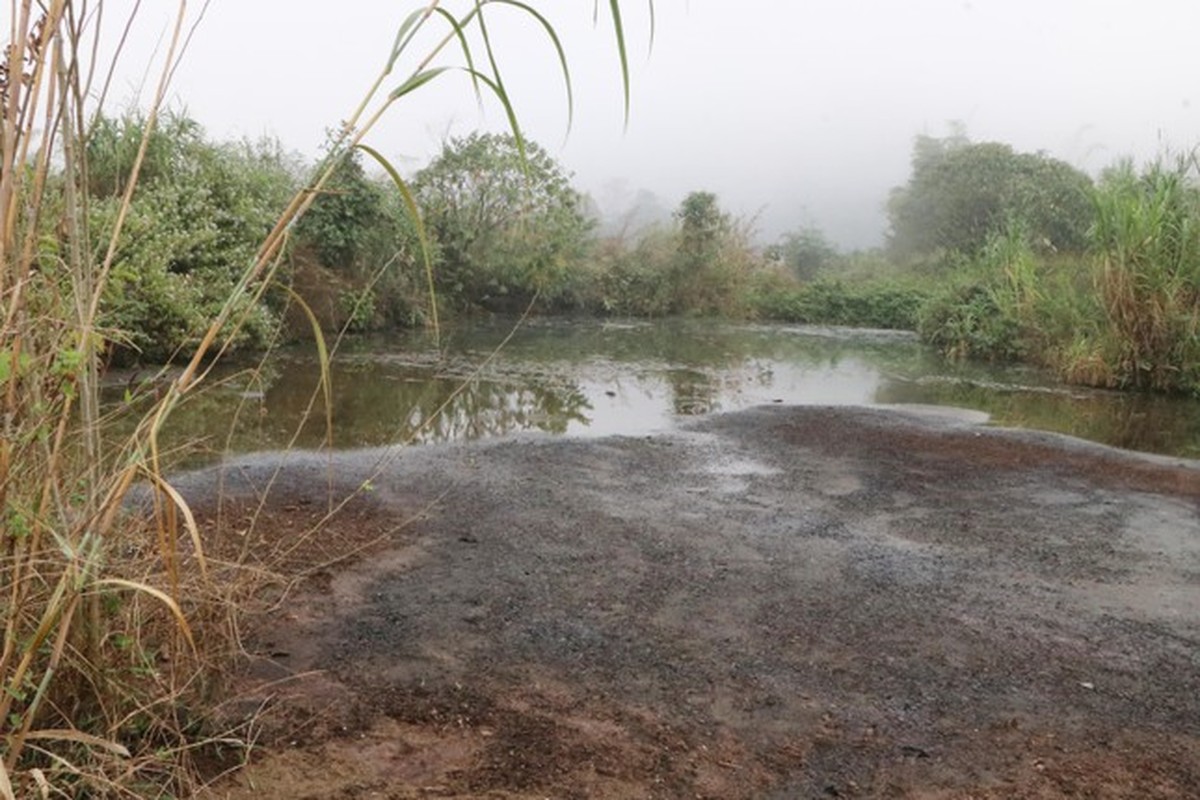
(783, 602)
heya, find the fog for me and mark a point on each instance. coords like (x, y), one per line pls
(794, 113)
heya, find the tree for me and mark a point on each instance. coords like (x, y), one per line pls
(960, 192)
(702, 224)
(508, 225)
(711, 257)
(805, 252)
(356, 254)
(340, 224)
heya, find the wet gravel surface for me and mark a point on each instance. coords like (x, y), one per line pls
(780, 602)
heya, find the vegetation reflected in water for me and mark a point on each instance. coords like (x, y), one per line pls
(596, 378)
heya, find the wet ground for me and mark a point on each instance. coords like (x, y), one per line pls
(780, 603)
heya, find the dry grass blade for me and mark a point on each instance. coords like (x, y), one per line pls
(157, 594)
(67, 735)
(6, 787)
(43, 785)
(188, 518)
(77, 633)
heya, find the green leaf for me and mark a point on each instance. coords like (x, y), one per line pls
(408, 29)
(619, 28)
(653, 23)
(462, 40)
(410, 203)
(326, 381)
(498, 82)
(416, 82)
(513, 124)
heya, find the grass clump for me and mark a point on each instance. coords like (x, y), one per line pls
(989, 308)
(1146, 242)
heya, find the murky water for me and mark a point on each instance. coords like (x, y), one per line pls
(595, 378)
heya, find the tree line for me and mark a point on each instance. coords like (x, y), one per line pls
(990, 252)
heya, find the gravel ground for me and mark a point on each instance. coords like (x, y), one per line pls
(781, 602)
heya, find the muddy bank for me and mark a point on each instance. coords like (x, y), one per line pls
(782, 602)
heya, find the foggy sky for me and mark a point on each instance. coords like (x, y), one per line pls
(795, 112)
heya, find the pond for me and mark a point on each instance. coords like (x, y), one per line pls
(594, 378)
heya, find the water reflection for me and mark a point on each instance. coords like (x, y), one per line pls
(1135, 422)
(591, 378)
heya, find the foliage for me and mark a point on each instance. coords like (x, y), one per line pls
(113, 144)
(702, 225)
(633, 279)
(507, 222)
(713, 259)
(704, 264)
(805, 252)
(968, 321)
(989, 310)
(1146, 241)
(866, 304)
(191, 230)
(356, 254)
(960, 192)
(346, 217)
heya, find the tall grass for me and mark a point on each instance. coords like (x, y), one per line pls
(112, 619)
(989, 305)
(1146, 238)
(62, 707)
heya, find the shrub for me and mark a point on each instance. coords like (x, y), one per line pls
(833, 302)
(191, 231)
(990, 308)
(969, 321)
(508, 224)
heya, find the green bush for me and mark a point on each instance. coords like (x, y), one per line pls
(192, 229)
(805, 252)
(633, 281)
(989, 309)
(508, 223)
(832, 302)
(969, 322)
(363, 240)
(704, 264)
(343, 224)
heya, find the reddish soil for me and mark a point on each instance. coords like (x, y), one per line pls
(778, 603)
